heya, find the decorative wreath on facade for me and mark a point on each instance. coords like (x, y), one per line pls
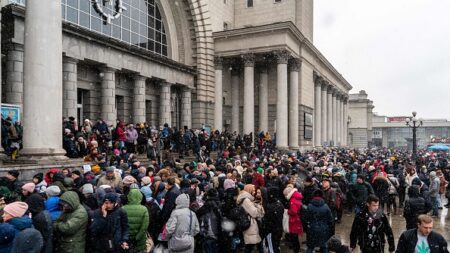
(107, 18)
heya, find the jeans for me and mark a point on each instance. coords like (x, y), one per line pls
(435, 206)
(210, 246)
(323, 249)
(439, 199)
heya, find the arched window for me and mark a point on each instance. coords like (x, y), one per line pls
(140, 25)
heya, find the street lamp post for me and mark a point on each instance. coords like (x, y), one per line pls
(414, 123)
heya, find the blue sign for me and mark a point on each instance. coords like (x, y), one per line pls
(12, 111)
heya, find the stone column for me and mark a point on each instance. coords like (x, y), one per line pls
(235, 99)
(249, 93)
(165, 115)
(294, 68)
(139, 99)
(70, 93)
(346, 121)
(317, 110)
(108, 110)
(186, 108)
(334, 117)
(342, 121)
(43, 80)
(263, 104)
(338, 119)
(324, 108)
(218, 93)
(330, 114)
(282, 57)
(14, 75)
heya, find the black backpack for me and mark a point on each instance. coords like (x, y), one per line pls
(240, 217)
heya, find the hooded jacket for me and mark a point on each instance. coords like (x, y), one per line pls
(70, 227)
(42, 221)
(414, 207)
(9, 230)
(251, 235)
(52, 205)
(28, 240)
(180, 219)
(319, 223)
(137, 219)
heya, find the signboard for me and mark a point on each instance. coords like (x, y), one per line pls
(308, 126)
(440, 140)
(377, 133)
(12, 111)
(396, 119)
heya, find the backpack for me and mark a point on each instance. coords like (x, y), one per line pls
(240, 217)
(209, 227)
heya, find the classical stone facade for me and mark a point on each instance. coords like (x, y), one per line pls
(195, 63)
(360, 120)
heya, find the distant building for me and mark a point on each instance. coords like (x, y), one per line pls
(360, 120)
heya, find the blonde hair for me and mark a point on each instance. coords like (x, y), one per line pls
(250, 188)
(424, 218)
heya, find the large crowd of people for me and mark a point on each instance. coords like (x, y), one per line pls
(251, 198)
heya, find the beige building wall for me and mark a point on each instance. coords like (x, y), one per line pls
(305, 18)
(222, 11)
(263, 12)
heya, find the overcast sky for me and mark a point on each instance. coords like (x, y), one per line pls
(396, 50)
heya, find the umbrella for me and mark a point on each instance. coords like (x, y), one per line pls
(439, 147)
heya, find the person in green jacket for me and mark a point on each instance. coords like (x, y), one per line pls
(69, 228)
(137, 219)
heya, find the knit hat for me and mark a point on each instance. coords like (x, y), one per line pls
(29, 187)
(146, 181)
(16, 209)
(87, 189)
(433, 174)
(95, 169)
(111, 197)
(53, 191)
(128, 180)
(110, 169)
(228, 183)
(260, 170)
(124, 166)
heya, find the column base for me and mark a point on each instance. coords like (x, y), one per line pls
(283, 148)
(42, 155)
(294, 148)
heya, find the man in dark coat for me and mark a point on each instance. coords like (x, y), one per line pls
(319, 222)
(109, 228)
(170, 197)
(414, 206)
(308, 191)
(273, 217)
(359, 192)
(42, 220)
(370, 227)
(422, 238)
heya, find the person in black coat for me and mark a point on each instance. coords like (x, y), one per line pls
(42, 220)
(308, 191)
(273, 217)
(169, 201)
(210, 219)
(109, 228)
(414, 206)
(370, 227)
(409, 240)
(319, 222)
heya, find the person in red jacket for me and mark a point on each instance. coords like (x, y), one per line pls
(258, 179)
(121, 137)
(295, 223)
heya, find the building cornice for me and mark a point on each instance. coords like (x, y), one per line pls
(291, 28)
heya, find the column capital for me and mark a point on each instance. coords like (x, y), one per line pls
(318, 80)
(282, 56)
(295, 64)
(165, 84)
(107, 69)
(325, 84)
(68, 59)
(138, 77)
(14, 46)
(248, 59)
(218, 62)
(330, 88)
(235, 66)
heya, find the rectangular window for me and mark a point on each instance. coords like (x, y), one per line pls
(249, 3)
(308, 126)
(277, 1)
(225, 26)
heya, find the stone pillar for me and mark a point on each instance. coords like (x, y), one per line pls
(235, 99)
(282, 57)
(218, 93)
(108, 110)
(342, 122)
(14, 75)
(294, 68)
(139, 99)
(338, 120)
(249, 94)
(317, 110)
(263, 104)
(43, 80)
(330, 114)
(324, 108)
(165, 115)
(334, 117)
(70, 93)
(346, 121)
(186, 108)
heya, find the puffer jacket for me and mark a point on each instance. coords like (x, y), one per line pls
(69, 228)
(42, 221)
(251, 235)
(137, 219)
(319, 223)
(414, 207)
(180, 219)
(52, 205)
(295, 205)
(9, 231)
